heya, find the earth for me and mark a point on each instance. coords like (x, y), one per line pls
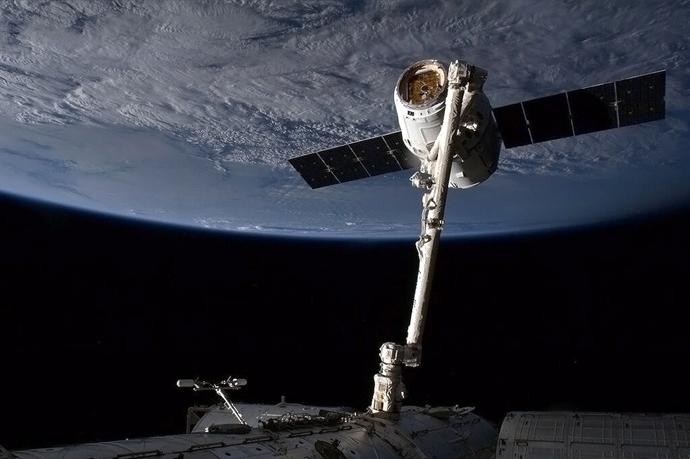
(186, 112)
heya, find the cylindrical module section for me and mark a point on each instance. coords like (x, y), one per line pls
(477, 145)
(420, 102)
(419, 433)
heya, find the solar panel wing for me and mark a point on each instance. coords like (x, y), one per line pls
(366, 158)
(313, 170)
(548, 118)
(593, 109)
(375, 156)
(405, 158)
(641, 99)
(512, 125)
(596, 108)
(344, 163)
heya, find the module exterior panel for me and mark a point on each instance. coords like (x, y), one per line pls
(570, 435)
(366, 158)
(582, 111)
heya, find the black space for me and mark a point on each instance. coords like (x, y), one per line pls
(99, 317)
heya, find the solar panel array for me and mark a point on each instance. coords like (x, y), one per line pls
(582, 111)
(366, 158)
(606, 106)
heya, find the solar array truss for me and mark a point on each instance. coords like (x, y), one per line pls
(582, 111)
(597, 108)
(366, 158)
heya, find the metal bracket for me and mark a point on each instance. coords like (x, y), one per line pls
(228, 384)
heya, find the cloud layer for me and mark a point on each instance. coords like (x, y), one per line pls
(187, 111)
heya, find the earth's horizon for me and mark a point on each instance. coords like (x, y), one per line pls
(186, 114)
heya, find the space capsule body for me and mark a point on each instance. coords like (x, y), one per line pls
(420, 100)
(302, 433)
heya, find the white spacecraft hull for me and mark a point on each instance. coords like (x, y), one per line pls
(419, 433)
